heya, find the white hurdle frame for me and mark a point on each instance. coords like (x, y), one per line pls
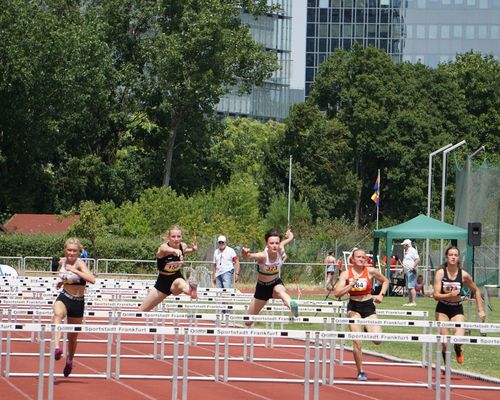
(236, 332)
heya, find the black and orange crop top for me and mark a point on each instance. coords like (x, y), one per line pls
(362, 286)
(170, 263)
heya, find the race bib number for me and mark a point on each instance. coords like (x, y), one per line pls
(271, 269)
(451, 286)
(172, 266)
(360, 285)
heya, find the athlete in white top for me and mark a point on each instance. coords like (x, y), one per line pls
(269, 262)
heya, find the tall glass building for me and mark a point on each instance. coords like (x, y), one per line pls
(333, 24)
(273, 99)
(426, 31)
(436, 30)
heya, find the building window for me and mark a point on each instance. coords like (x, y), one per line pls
(310, 60)
(334, 43)
(309, 74)
(420, 32)
(445, 31)
(335, 31)
(311, 15)
(322, 45)
(323, 30)
(310, 45)
(443, 59)
(457, 32)
(311, 30)
(469, 31)
(359, 30)
(483, 3)
(495, 31)
(347, 31)
(482, 32)
(322, 57)
(335, 15)
(323, 3)
(433, 31)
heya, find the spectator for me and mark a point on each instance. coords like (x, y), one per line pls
(410, 263)
(330, 262)
(83, 253)
(226, 265)
(419, 286)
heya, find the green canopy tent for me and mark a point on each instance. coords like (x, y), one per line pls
(420, 227)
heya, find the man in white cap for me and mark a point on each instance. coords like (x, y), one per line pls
(225, 265)
(410, 263)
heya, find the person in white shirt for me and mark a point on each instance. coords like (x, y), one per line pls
(226, 265)
(410, 263)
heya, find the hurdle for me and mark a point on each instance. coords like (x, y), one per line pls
(312, 339)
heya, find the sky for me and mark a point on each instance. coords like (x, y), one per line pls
(298, 44)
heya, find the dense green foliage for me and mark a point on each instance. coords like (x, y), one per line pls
(95, 95)
(396, 114)
(104, 102)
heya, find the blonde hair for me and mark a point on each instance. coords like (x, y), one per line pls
(174, 227)
(73, 240)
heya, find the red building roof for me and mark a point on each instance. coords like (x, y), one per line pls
(38, 223)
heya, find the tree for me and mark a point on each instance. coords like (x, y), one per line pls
(180, 56)
(319, 147)
(478, 78)
(91, 224)
(55, 76)
(394, 113)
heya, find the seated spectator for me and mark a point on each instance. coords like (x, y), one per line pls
(419, 286)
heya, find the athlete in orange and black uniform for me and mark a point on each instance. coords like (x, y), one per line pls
(356, 281)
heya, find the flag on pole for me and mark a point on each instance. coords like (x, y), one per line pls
(376, 187)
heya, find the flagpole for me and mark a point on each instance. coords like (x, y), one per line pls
(378, 194)
(289, 190)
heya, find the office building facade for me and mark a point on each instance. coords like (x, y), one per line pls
(273, 99)
(426, 31)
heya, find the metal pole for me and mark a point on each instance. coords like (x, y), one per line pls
(378, 197)
(443, 189)
(429, 190)
(307, 366)
(437, 384)
(175, 365)
(41, 364)
(185, 366)
(467, 199)
(289, 190)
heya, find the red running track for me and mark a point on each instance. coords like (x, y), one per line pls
(14, 388)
